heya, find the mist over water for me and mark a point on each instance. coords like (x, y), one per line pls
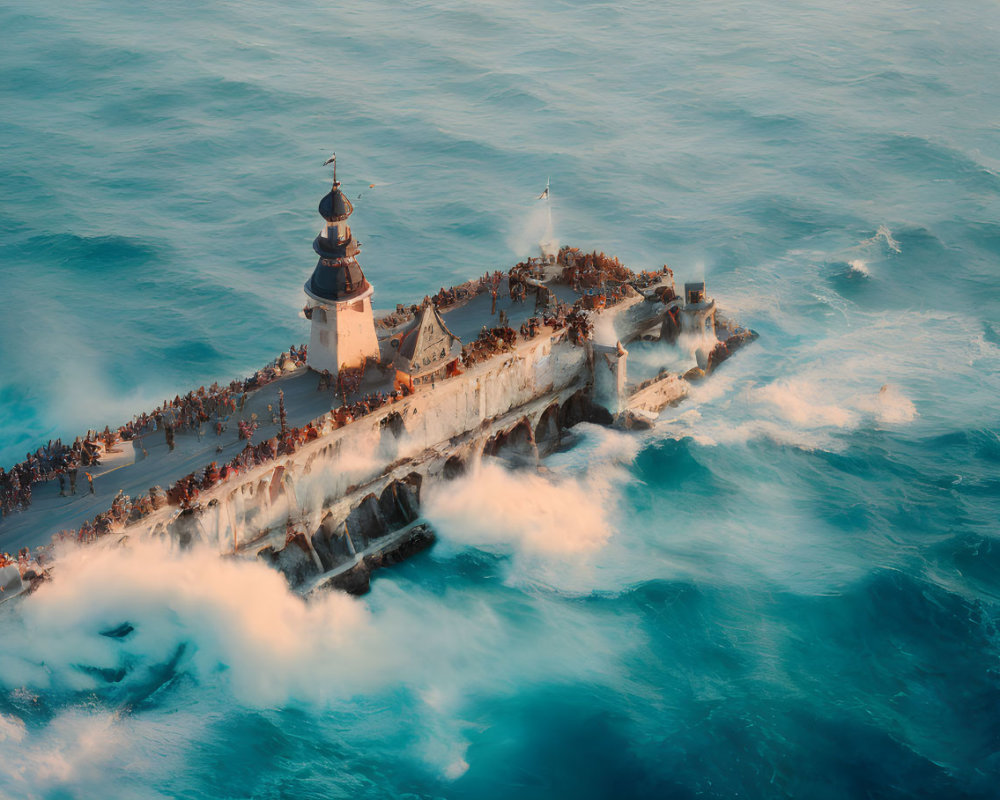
(789, 588)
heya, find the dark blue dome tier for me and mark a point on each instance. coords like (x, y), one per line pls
(338, 274)
(337, 280)
(335, 207)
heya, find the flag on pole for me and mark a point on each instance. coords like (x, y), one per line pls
(331, 160)
(545, 195)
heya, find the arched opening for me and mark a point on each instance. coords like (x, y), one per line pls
(547, 429)
(454, 467)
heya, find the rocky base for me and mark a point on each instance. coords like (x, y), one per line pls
(357, 579)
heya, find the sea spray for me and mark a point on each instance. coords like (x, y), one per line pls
(245, 637)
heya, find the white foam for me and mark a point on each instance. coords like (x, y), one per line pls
(885, 234)
(494, 508)
(243, 635)
(804, 403)
(890, 406)
(11, 729)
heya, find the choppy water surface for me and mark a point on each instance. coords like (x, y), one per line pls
(789, 588)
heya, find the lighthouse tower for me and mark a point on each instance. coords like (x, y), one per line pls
(339, 298)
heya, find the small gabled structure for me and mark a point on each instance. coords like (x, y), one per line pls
(426, 350)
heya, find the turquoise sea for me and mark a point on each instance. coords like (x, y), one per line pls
(790, 588)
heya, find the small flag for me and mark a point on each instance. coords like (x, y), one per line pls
(331, 160)
(545, 195)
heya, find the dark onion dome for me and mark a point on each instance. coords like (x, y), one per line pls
(335, 206)
(337, 280)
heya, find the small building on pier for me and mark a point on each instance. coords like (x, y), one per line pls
(426, 350)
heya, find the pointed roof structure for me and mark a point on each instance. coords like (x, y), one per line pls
(426, 344)
(338, 275)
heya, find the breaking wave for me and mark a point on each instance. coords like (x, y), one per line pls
(859, 267)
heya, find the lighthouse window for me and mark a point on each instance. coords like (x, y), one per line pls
(319, 314)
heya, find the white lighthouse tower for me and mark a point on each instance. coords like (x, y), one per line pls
(339, 298)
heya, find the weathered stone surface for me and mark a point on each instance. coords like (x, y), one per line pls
(516, 446)
(671, 327)
(718, 354)
(631, 421)
(366, 522)
(340, 545)
(294, 560)
(357, 579)
(330, 543)
(739, 339)
(408, 496)
(418, 538)
(321, 544)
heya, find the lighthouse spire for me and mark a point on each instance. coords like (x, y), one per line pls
(339, 296)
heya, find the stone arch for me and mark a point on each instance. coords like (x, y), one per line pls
(454, 467)
(547, 429)
(517, 445)
(492, 445)
(579, 408)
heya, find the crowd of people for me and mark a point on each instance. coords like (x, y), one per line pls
(184, 492)
(23, 559)
(197, 408)
(348, 412)
(445, 298)
(591, 270)
(53, 461)
(58, 461)
(579, 325)
(490, 342)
